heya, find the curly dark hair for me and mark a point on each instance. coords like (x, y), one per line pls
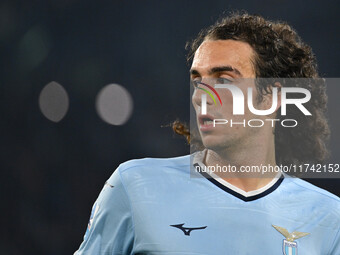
(279, 53)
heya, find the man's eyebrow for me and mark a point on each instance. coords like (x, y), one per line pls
(218, 69)
(194, 72)
(221, 69)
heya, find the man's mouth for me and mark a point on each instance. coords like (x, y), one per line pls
(206, 122)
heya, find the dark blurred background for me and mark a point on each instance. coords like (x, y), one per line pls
(52, 172)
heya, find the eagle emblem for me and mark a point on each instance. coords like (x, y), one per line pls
(289, 244)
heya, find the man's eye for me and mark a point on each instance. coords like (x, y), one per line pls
(195, 82)
(223, 81)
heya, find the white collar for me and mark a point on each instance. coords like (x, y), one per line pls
(198, 158)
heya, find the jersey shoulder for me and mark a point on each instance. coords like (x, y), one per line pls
(155, 164)
(314, 197)
(153, 169)
(151, 178)
(316, 191)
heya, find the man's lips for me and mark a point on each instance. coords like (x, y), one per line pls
(205, 122)
(205, 117)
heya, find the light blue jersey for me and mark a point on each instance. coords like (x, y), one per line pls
(153, 206)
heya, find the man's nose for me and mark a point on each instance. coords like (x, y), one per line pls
(200, 90)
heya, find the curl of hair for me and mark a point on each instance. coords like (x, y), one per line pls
(278, 53)
(181, 129)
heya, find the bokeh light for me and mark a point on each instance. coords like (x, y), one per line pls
(54, 102)
(114, 104)
(33, 48)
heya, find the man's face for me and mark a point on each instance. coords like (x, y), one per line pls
(218, 61)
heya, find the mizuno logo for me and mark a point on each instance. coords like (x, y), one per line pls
(185, 230)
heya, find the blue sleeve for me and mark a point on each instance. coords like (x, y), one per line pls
(336, 246)
(110, 229)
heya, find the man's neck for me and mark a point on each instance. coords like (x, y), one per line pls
(251, 157)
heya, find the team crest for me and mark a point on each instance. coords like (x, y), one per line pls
(289, 245)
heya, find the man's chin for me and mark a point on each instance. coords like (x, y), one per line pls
(214, 144)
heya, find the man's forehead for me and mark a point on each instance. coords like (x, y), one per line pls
(232, 53)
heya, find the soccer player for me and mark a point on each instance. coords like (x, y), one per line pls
(155, 206)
